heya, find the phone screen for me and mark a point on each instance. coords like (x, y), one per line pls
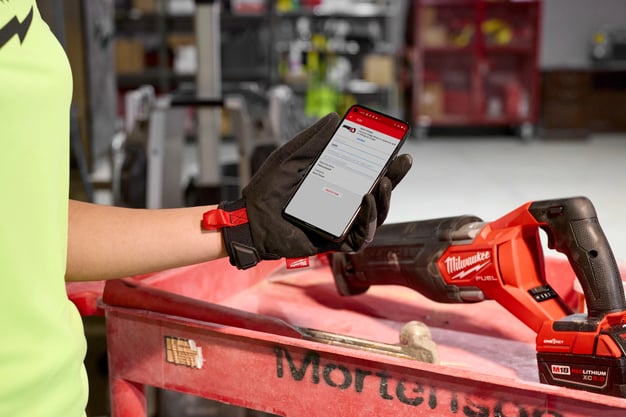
(329, 197)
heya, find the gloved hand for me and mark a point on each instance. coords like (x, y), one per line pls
(253, 227)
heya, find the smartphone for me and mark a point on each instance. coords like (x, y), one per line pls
(328, 198)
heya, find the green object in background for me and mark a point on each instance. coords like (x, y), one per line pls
(321, 99)
(287, 5)
(326, 100)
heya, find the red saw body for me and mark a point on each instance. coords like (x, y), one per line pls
(464, 259)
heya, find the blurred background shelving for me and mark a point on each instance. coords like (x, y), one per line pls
(355, 49)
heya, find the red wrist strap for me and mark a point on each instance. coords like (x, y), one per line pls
(218, 218)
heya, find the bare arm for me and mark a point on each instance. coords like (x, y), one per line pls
(106, 242)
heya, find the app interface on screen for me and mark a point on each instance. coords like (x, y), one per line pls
(332, 192)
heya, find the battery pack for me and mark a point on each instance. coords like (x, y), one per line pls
(604, 375)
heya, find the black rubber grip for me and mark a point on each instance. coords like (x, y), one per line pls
(573, 229)
(404, 254)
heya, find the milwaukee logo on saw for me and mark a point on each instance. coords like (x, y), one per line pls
(459, 267)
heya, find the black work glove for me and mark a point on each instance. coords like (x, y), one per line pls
(265, 234)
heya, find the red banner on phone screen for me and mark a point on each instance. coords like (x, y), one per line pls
(379, 123)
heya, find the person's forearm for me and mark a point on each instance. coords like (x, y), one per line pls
(106, 242)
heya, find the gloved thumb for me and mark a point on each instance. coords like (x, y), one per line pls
(364, 227)
(399, 168)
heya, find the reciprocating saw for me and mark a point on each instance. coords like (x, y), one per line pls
(465, 259)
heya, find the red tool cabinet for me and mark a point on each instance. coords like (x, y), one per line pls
(237, 337)
(475, 62)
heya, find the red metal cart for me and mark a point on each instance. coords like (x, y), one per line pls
(243, 337)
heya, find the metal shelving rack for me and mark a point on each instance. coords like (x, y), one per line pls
(251, 43)
(475, 63)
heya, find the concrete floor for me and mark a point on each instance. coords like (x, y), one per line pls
(490, 176)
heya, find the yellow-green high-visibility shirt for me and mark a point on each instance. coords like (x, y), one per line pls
(42, 344)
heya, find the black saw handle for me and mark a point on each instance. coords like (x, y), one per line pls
(573, 229)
